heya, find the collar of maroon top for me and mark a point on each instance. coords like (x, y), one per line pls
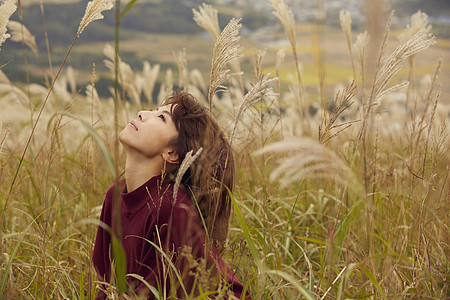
(135, 200)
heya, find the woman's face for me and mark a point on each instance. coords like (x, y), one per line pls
(150, 133)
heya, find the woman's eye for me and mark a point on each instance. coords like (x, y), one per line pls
(162, 117)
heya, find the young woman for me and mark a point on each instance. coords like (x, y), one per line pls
(172, 236)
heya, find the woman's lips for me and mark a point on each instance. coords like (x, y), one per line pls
(133, 125)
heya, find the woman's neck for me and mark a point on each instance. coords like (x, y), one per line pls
(138, 170)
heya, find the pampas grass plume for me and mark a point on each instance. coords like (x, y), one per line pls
(6, 10)
(226, 49)
(206, 17)
(185, 164)
(286, 17)
(308, 159)
(419, 21)
(93, 12)
(390, 66)
(19, 32)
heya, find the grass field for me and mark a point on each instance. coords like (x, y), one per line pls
(342, 189)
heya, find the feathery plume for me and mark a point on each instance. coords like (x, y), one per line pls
(206, 17)
(93, 12)
(345, 20)
(6, 10)
(126, 76)
(260, 89)
(360, 46)
(309, 159)
(196, 79)
(346, 25)
(342, 102)
(5, 135)
(72, 75)
(419, 21)
(185, 164)
(390, 66)
(150, 74)
(18, 34)
(180, 57)
(225, 50)
(286, 17)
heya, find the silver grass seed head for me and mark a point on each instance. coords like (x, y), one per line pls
(306, 158)
(360, 46)
(226, 49)
(286, 17)
(345, 19)
(260, 89)
(19, 32)
(419, 21)
(185, 164)
(6, 10)
(206, 17)
(392, 64)
(93, 12)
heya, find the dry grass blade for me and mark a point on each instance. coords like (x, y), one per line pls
(206, 17)
(18, 33)
(308, 159)
(225, 50)
(185, 164)
(93, 12)
(6, 10)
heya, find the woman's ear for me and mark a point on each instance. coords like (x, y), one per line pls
(171, 156)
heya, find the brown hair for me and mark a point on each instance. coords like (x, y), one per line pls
(213, 171)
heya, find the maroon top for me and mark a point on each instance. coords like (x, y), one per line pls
(150, 214)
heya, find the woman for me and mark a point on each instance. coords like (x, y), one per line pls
(172, 236)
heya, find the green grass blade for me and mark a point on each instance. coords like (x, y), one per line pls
(246, 232)
(127, 8)
(374, 281)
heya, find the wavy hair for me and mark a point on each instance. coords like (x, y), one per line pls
(211, 175)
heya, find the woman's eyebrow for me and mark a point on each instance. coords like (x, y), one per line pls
(166, 112)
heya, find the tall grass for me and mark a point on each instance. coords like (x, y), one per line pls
(347, 198)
